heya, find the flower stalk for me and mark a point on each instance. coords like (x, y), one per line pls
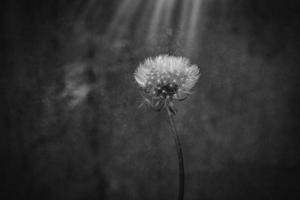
(179, 154)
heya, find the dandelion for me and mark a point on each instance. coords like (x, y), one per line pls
(164, 79)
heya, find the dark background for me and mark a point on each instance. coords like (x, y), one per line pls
(71, 127)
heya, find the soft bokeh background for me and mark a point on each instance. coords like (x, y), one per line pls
(71, 126)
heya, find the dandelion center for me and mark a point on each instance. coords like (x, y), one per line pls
(165, 91)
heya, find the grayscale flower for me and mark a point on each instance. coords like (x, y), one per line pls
(166, 78)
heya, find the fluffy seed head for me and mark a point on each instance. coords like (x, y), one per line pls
(167, 76)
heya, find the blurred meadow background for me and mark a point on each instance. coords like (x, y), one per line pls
(71, 126)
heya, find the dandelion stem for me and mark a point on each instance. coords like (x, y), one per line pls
(179, 155)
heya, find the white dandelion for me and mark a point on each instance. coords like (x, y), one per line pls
(166, 78)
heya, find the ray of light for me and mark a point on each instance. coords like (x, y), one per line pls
(193, 27)
(120, 22)
(143, 23)
(188, 25)
(184, 20)
(169, 8)
(161, 18)
(155, 20)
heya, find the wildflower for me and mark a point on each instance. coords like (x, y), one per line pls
(165, 78)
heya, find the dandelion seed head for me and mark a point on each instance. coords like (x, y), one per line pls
(166, 76)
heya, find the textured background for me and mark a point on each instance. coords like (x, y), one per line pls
(71, 127)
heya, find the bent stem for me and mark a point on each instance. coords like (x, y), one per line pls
(179, 154)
